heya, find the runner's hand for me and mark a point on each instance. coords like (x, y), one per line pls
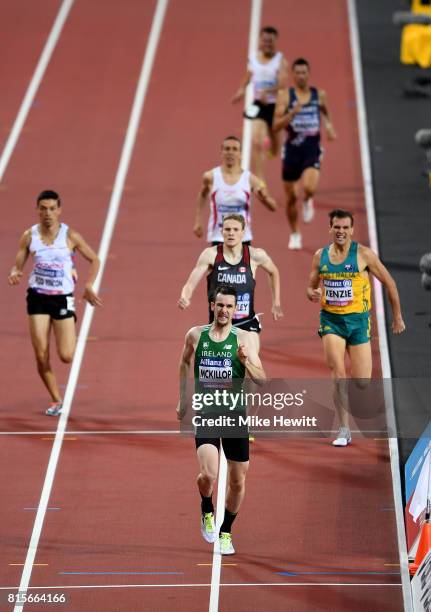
(181, 410)
(314, 295)
(330, 132)
(14, 277)
(198, 230)
(242, 353)
(183, 303)
(398, 325)
(91, 296)
(277, 312)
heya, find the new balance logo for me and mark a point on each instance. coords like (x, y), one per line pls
(227, 346)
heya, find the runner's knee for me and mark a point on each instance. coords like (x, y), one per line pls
(66, 356)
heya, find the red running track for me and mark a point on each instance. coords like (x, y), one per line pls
(128, 502)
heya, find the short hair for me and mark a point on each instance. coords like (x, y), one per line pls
(269, 30)
(301, 61)
(340, 214)
(48, 194)
(225, 290)
(232, 138)
(235, 217)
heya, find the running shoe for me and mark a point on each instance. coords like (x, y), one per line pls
(308, 210)
(54, 409)
(343, 437)
(295, 241)
(208, 529)
(226, 546)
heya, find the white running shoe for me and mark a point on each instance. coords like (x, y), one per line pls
(208, 529)
(308, 210)
(226, 546)
(343, 437)
(54, 409)
(295, 241)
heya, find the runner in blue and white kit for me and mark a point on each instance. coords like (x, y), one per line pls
(228, 189)
(50, 301)
(299, 111)
(267, 71)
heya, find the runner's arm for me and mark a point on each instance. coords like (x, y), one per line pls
(185, 362)
(314, 292)
(21, 257)
(260, 189)
(283, 117)
(262, 259)
(204, 263)
(376, 267)
(202, 201)
(324, 109)
(240, 93)
(91, 256)
(249, 357)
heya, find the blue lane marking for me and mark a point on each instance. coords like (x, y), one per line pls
(337, 573)
(121, 573)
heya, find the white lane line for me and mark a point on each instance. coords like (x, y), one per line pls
(262, 434)
(88, 314)
(206, 584)
(256, 10)
(378, 293)
(34, 84)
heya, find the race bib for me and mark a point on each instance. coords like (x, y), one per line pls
(242, 306)
(338, 292)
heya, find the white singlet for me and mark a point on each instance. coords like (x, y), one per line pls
(52, 269)
(264, 75)
(226, 199)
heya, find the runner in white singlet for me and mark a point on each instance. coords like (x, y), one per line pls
(267, 71)
(228, 189)
(50, 301)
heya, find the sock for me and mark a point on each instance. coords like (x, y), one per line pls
(229, 518)
(207, 504)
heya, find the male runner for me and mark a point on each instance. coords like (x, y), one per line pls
(267, 70)
(234, 263)
(343, 267)
(50, 301)
(218, 340)
(298, 111)
(228, 189)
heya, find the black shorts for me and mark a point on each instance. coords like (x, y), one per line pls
(296, 159)
(235, 449)
(265, 112)
(251, 325)
(216, 242)
(58, 307)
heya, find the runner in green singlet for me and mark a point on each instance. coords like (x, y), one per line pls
(223, 356)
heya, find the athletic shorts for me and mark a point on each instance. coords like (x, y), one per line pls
(58, 307)
(235, 449)
(296, 159)
(217, 242)
(354, 327)
(258, 110)
(252, 324)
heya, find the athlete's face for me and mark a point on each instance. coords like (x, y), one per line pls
(231, 153)
(268, 44)
(232, 233)
(49, 212)
(301, 74)
(341, 230)
(223, 308)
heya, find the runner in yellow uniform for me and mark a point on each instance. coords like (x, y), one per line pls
(343, 269)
